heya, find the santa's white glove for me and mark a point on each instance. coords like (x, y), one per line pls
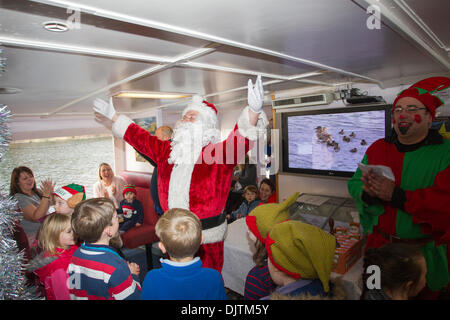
(255, 95)
(104, 108)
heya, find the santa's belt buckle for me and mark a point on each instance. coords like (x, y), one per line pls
(393, 238)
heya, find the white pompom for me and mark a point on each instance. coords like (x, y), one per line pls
(197, 99)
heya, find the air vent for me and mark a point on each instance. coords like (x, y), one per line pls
(303, 101)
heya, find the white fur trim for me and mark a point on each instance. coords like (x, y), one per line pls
(195, 104)
(121, 125)
(249, 131)
(179, 186)
(215, 234)
(65, 194)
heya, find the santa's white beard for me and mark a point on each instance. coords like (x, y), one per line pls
(188, 140)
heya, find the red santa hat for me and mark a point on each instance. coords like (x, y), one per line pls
(206, 109)
(129, 188)
(425, 91)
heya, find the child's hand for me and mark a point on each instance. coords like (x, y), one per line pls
(138, 224)
(239, 216)
(134, 268)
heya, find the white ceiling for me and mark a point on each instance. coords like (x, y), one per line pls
(209, 47)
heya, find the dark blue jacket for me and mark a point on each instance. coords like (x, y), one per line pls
(245, 208)
(137, 217)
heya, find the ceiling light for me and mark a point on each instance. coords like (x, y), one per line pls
(151, 95)
(55, 26)
(9, 90)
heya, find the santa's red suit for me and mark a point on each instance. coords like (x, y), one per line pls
(200, 187)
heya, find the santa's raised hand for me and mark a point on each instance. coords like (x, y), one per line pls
(255, 95)
(104, 108)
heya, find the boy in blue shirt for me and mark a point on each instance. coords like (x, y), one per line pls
(181, 277)
(251, 202)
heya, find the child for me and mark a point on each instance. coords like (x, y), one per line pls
(67, 197)
(131, 209)
(258, 283)
(182, 277)
(300, 259)
(402, 272)
(250, 194)
(57, 241)
(96, 270)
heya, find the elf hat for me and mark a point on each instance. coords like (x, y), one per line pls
(301, 250)
(129, 188)
(72, 193)
(425, 91)
(261, 219)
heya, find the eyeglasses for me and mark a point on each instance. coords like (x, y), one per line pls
(408, 109)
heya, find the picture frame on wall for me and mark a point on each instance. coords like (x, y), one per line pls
(442, 124)
(134, 161)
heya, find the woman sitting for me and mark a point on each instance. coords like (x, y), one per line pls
(33, 202)
(109, 185)
(267, 192)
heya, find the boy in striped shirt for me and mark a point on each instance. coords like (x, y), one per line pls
(96, 271)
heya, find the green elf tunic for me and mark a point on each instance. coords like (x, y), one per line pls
(420, 206)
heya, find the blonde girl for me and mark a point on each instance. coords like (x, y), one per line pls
(56, 238)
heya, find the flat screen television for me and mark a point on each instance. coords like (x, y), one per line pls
(331, 142)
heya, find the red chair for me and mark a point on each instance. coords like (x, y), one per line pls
(22, 241)
(144, 234)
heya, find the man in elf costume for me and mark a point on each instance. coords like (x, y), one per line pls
(415, 208)
(195, 169)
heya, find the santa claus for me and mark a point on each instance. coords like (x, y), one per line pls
(195, 168)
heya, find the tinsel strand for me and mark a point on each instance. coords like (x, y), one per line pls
(13, 284)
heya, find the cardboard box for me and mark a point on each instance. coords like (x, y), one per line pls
(347, 254)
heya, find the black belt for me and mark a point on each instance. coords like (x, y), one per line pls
(395, 239)
(212, 222)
